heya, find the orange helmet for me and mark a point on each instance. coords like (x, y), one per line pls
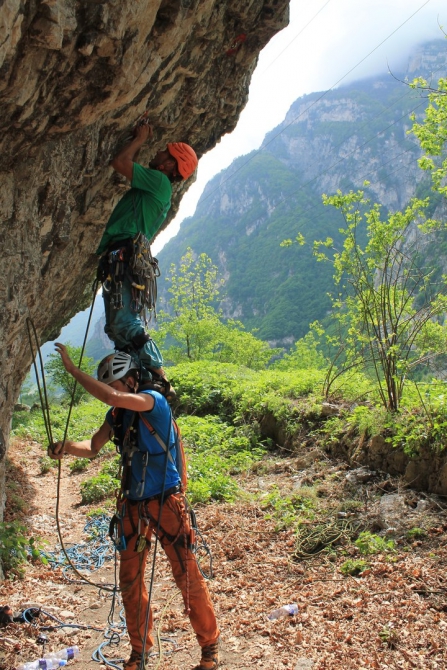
(185, 156)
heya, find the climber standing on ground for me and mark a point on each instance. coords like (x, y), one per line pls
(126, 242)
(151, 500)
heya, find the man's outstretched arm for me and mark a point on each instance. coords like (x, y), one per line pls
(124, 160)
(84, 448)
(137, 402)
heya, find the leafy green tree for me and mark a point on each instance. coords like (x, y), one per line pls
(432, 133)
(65, 381)
(194, 330)
(389, 306)
(193, 320)
(235, 345)
(306, 355)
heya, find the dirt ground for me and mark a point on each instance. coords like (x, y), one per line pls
(394, 615)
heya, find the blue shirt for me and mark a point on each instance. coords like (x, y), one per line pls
(147, 480)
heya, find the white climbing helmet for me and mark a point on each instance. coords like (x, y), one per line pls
(115, 366)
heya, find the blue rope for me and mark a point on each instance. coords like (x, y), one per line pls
(89, 555)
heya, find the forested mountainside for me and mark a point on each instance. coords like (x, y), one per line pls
(328, 141)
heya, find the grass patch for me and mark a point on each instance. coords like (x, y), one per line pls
(216, 450)
(353, 567)
(98, 488)
(287, 510)
(46, 464)
(85, 420)
(368, 543)
(79, 465)
(416, 534)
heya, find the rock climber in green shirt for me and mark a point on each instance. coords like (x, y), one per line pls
(142, 209)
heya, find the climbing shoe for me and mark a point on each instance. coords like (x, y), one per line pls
(134, 662)
(210, 657)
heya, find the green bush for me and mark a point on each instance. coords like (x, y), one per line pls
(216, 450)
(416, 533)
(368, 543)
(111, 467)
(98, 488)
(46, 464)
(287, 510)
(16, 547)
(218, 487)
(54, 367)
(353, 566)
(79, 464)
(86, 418)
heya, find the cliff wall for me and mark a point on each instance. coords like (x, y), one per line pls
(74, 77)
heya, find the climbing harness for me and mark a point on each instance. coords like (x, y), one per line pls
(126, 443)
(131, 259)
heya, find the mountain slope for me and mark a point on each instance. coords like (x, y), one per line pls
(327, 142)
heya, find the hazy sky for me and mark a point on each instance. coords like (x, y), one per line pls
(327, 43)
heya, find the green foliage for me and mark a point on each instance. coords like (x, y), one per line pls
(103, 485)
(387, 301)
(432, 133)
(422, 421)
(215, 451)
(16, 547)
(389, 636)
(79, 464)
(368, 543)
(98, 488)
(218, 486)
(286, 510)
(29, 393)
(193, 330)
(194, 288)
(353, 567)
(111, 467)
(416, 533)
(369, 420)
(60, 377)
(97, 512)
(85, 419)
(46, 464)
(305, 356)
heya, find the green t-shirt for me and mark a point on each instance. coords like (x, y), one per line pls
(141, 210)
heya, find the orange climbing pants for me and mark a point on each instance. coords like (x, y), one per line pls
(174, 536)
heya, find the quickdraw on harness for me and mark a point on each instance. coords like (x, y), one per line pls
(145, 271)
(131, 259)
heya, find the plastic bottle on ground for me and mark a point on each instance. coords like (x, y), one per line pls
(285, 610)
(43, 664)
(68, 653)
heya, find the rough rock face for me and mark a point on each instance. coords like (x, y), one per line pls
(75, 76)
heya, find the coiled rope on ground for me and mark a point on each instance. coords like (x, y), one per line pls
(313, 540)
(86, 555)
